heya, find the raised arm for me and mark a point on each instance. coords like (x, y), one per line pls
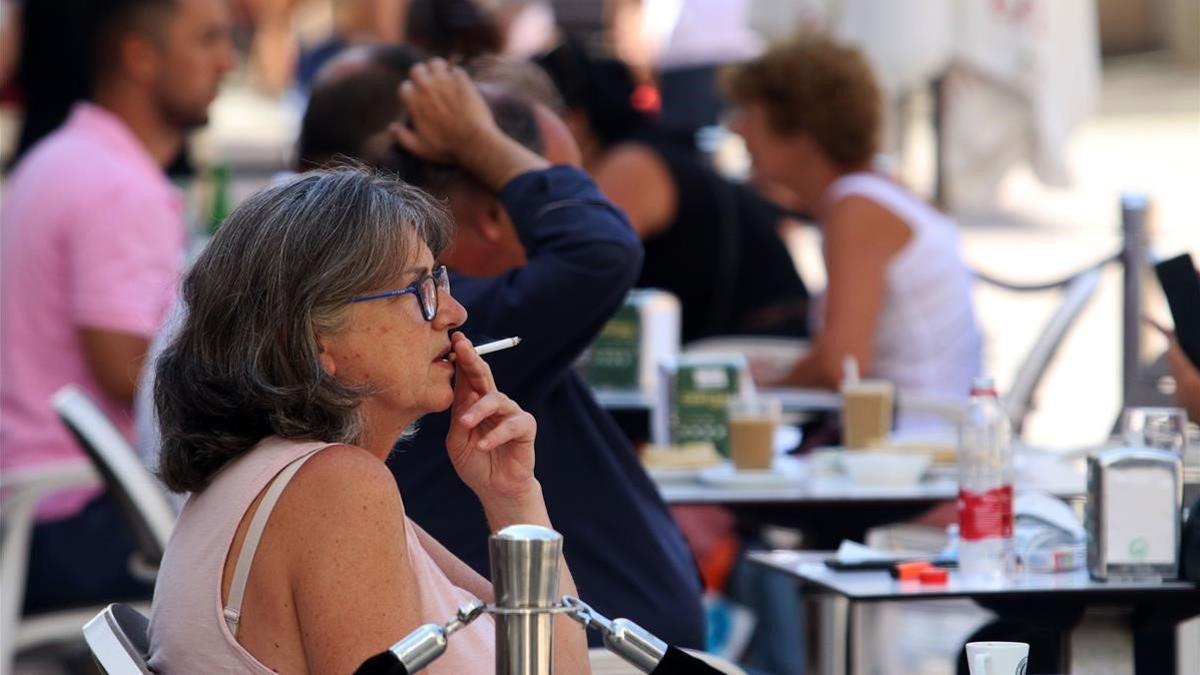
(582, 257)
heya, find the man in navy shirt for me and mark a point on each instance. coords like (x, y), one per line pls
(548, 258)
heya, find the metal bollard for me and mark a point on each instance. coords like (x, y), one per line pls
(1133, 261)
(525, 574)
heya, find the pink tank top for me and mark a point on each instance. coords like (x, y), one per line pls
(189, 631)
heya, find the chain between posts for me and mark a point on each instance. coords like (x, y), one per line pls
(571, 606)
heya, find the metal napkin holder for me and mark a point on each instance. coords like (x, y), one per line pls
(1133, 514)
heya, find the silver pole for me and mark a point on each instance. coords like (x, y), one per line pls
(1133, 258)
(524, 577)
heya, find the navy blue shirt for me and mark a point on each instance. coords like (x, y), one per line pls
(625, 552)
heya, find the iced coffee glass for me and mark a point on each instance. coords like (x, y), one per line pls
(866, 413)
(752, 423)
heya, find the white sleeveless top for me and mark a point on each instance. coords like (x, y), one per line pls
(190, 631)
(927, 340)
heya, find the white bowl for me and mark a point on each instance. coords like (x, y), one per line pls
(868, 467)
(770, 358)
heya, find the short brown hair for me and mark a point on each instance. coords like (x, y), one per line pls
(810, 84)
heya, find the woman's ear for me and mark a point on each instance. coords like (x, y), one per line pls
(494, 222)
(323, 353)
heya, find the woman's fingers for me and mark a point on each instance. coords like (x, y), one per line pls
(487, 406)
(513, 427)
(471, 366)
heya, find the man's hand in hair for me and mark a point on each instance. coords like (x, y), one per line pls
(449, 122)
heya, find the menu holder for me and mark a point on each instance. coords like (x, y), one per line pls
(694, 393)
(625, 355)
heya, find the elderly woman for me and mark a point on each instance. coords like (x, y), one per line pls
(899, 295)
(318, 332)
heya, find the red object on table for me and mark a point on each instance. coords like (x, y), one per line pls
(934, 575)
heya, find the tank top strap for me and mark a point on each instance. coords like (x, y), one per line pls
(258, 523)
(882, 191)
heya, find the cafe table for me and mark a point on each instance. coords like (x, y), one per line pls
(806, 501)
(1098, 618)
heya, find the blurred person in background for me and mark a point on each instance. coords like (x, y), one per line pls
(93, 238)
(711, 242)
(1187, 379)
(457, 29)
(680, 44)
(1183, 370)
(899, 294)
(468, 29)
(547, 258)
(47, 55)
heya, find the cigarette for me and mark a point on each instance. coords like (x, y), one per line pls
(497, 345)
(493, 346)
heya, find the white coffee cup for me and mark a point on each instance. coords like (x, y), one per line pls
(997, 658)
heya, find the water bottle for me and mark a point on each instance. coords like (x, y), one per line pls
(985, 488)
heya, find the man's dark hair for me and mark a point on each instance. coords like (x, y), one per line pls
(601, 88)
(66, 48)
(344, 110)
(348, 115)
(112, 20)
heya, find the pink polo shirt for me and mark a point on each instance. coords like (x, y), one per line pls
(92, 237)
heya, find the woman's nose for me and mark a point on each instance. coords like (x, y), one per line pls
(451, 314)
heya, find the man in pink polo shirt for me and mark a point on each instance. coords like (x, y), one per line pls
(92, 246)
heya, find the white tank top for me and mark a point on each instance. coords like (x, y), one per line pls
(927, 340)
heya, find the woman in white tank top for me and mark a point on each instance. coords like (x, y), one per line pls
(899, 295)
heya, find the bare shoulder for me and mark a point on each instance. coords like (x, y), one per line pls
(635, 157)
(342, 488)
(866, 225)
(637, 179)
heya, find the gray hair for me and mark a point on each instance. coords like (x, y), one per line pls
(281, 271)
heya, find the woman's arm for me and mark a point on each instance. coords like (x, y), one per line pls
(458, 572)
(861, 237)
(341, 524)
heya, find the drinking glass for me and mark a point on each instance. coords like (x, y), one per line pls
(1158, 428)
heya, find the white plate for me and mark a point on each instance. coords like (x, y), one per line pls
(786, 471)
(674, 476)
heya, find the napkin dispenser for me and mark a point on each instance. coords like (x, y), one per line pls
(1132, 515)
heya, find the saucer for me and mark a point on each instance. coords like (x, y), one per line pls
(786, 472)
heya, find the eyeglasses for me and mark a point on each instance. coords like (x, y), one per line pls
(426, 289)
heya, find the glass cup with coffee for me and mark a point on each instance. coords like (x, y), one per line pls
(866, 413)
(752, 422)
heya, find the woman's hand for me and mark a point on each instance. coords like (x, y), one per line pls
(491, 437)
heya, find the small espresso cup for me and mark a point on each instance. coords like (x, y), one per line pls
(997, 658)
(752, 423)
(866, 413)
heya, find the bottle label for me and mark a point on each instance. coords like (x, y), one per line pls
(983, 515)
